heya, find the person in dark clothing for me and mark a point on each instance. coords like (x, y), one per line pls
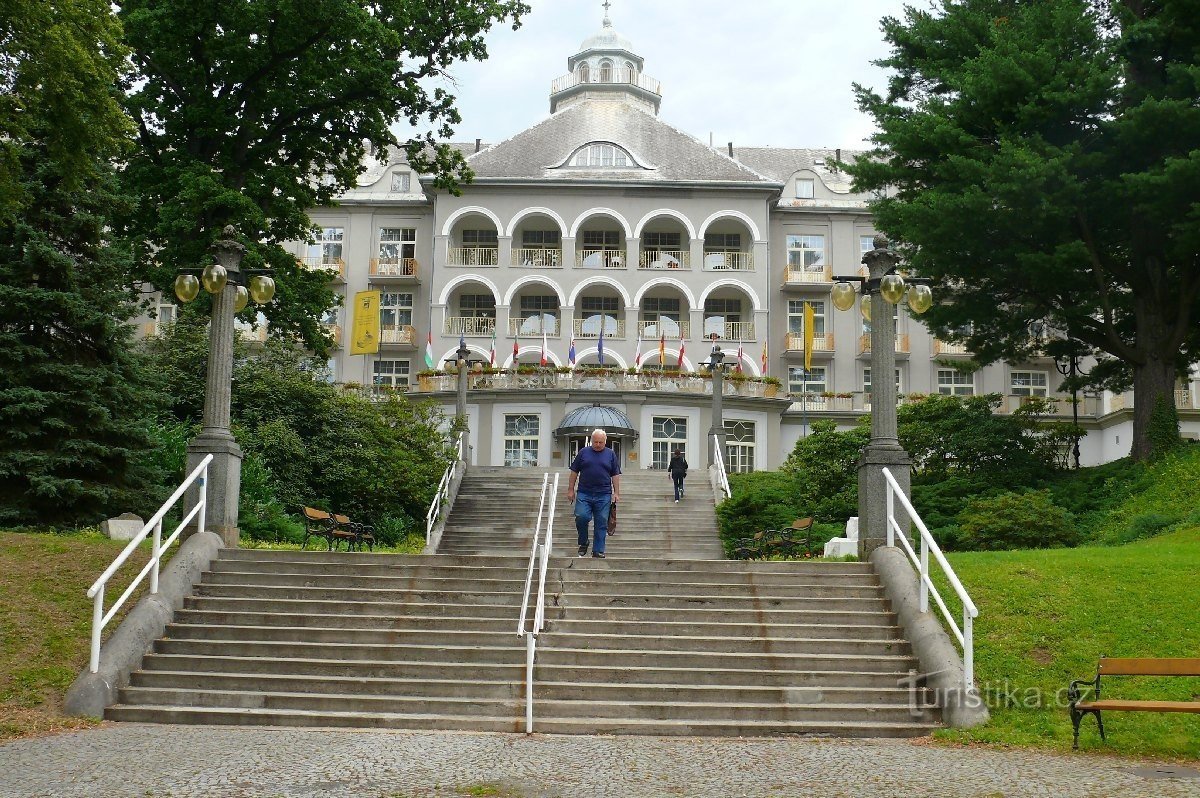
(598, 473)
(678, 470)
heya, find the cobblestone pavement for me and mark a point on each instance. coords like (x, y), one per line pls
(159, 761)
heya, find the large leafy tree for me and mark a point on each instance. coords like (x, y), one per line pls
(1041, 161)
(72, 400)
(251, 113)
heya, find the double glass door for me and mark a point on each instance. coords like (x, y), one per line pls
(577, 442)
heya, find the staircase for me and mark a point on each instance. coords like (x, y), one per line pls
(496, 512)
(660, 638)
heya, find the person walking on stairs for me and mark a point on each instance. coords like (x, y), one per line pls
(598, 473)
(677, 468)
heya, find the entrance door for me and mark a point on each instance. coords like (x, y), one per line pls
(577, 442)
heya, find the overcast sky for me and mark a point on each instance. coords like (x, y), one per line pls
(755, 72)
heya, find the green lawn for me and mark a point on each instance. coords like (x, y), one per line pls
(1046, 616)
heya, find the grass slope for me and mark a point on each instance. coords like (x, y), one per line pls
(1045, 618)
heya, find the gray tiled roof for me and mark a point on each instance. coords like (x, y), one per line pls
(780, 163)
(667, 154)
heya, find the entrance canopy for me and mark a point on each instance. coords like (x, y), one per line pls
(582, 420)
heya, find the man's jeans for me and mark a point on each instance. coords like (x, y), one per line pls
(587, 507)
(678, 480)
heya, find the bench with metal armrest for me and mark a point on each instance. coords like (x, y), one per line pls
(362, 533)
(320, 524)
(791, 541)
(1140, 666)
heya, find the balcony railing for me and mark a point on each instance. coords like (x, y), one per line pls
(336, 265)
(864, 344)
(398, 335)
(472, 256)
(941, 347)
(537, 258)
(728, 261)
(394, 267)
(532, 327)
(600, 259)
(675, 330)
(806, 275)
(729, 330)
(627, 77)
(589, 380)
(666, 259)
(590, 328)
(821, 343)
(819, 402)
(469, 325)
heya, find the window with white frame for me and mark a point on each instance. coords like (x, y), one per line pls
(723, 242)
(477, 306)
(806, 252)
(392, 373)
(1029, 383)
(814, 380)
(397, 244)
(607, 156)
(327, 249)
(395, 309)
(796, 316)
(539, 314)
(668, 434)
(655, 308)
(521, 433)
(867, 380)
(739, 447)
(401, 182)
(806, 188)
(866, 325)
(953, 382)
(595, 308)
(865, 244)
(606, 71)
(730, 309)
(165, 315)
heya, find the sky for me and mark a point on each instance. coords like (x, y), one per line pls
(755, 72)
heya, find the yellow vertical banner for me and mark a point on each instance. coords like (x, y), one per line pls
(365, 338)
(808, 336)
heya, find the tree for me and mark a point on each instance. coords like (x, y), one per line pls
(251, 113)
(1040, 161)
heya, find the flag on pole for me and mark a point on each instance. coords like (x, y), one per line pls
(516, 355)
(637, 358)
(571, 353)
(662, 348)
(764, 359)
(682, 345)
(429, 350)
(739, 363)
(543, 360)
(808, 336)
(600, 346)
(492, 356)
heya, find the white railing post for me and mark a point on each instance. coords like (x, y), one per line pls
(202, 492)
(97, 627)
(968, 648)
(924, 575)
(891, 517)
(156, 557)
(530, 642)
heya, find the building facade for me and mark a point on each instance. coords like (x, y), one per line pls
(605, 231)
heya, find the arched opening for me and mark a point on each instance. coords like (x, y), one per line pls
(606, 71)
(601, 244)
(474, 241)
(471, 310)
(534, 312)
(583, 73)
(537, 242)
(728, 246)
(666, 244)
(599, 307)
(663, 316)
(729, 313)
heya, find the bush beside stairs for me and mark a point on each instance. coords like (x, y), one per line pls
(663, 637)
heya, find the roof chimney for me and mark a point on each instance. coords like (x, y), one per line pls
(478, 144)
(731, 149)
(839, 153)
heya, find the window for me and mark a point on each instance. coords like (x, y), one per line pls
(328, 247)
(395, 309)
(606, 156)
(739, 446)
(541, 239)
(479, 306)
(865, 244)
(719, 314)
(815, 381)
(479, 238)
(539, 314)
(1029, 383)
(521, 440)
(953, 382)
(654, 242)
(796, 316)
(601, 239)
(401, 182)
(867, 380)
(866, 325)
(397, 244)
(664, 314)
(807, 253)
(606, 71)
(806, 188)
(668, 434)
(593, 309)
(599, 304)
(583, 73)
(723, 242)
(392, 373)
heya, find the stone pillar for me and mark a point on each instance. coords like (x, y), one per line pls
(568, 252)
(504, 251)
(696, 249)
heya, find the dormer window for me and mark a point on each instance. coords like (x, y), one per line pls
(401, 182)
(606, 156)
(806, 188)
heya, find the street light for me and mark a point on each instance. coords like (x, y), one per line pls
(885, 288)
(223, 280)
(461, 361)
(716, 433)
(1068, 366)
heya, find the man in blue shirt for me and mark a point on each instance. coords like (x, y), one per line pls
(598, 473)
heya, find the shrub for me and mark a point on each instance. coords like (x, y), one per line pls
(1028, 520)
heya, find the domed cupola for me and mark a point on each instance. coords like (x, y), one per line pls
(606, 67)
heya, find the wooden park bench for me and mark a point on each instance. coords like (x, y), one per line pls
(1114, 666)
(320, 524)
(362, 533)
(791, 541)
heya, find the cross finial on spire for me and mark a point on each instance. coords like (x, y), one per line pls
(607, 21)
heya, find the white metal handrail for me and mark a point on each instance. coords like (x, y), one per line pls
(443, 491)
(539, 553)
(100, 618)
(920, 561)
(719, 459)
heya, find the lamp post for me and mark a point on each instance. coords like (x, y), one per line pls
(462, 362)
(716, 433)
(231, 289)
(1068, 366)
(881, 289)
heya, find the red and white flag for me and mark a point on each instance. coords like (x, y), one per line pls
(739, 363)
(682, 345)
(637, 358)
(543, 361)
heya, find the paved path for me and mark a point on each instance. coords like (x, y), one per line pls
(160, 761)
